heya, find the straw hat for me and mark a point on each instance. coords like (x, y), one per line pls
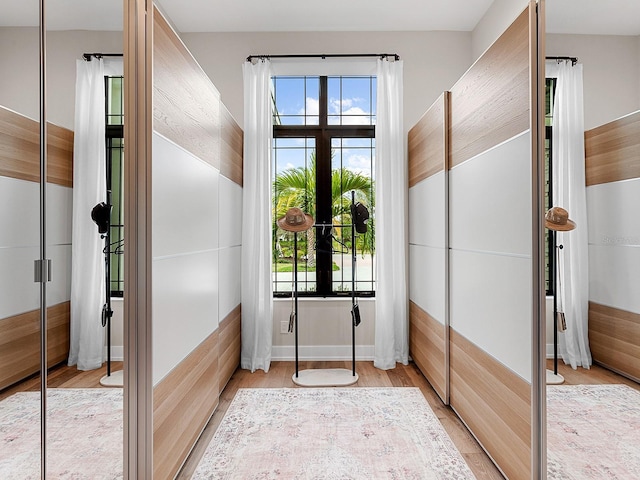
(557, 218)
(295, 220)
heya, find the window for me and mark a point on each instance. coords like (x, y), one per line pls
(548, 197)
(115, 177)
(323, 149)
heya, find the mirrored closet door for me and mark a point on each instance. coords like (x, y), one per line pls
(84, 114)
(20, 244)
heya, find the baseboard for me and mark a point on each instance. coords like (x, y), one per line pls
(550, 351)
(322, 352)
(117, 353)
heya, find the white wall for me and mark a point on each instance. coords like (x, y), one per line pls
(324, 329)
(20, 63)
(614, 241)
(185, 253)
(433, 61)
(196, 234)
(19, 245)
(490, 248)
(495, 21)
(427, 248)
(611, 70)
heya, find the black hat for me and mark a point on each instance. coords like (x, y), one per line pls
(100, 214)
(359, 217)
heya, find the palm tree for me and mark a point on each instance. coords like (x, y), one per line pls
(296, 187)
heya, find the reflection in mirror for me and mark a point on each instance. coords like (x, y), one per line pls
(594, 147)
(20, 353)
(81, 92)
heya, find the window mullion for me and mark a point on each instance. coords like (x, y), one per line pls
(323, 197)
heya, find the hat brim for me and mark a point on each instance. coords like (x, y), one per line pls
(570, 225)
(308, 223)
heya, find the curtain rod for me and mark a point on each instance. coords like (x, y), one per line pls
(87, 56)
(573, 60)
(323, 56)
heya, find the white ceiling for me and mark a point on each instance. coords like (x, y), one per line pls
(596, 17)
(614, 17)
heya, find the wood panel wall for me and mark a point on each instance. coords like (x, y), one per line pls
(428, 154)
(427, 347)
(494, 403)
(612, 151)
(186, 105)
(490, 103)
(20, 149)
(614, 339)
(185, 399)
(427, 143)
(187, 110)
(20, 342)
(231, 150)
(229, 347)
(183, 402)
(20, 159)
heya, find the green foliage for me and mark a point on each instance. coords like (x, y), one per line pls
(296, 187)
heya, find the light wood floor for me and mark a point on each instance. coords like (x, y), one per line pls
(280, 376)
(402, 376)
(62, 376)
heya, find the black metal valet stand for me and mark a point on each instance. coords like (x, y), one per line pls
(327, 377)
(101, 214)
(556, 219)
(554, 274)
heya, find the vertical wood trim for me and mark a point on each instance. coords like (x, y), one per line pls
(614, 339)
(538, 291)
(229, 346)
(427, 347)
(490, 103)
(183, 402)
(425, 144)
(232, 144)
(20, 342)
(494, 403)
(186, 105)
(446, 138)
(138, 391)
(20, 150)
(612, 151)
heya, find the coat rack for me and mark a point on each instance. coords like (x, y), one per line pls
(296, 221)
(101, 215)
(556, 219)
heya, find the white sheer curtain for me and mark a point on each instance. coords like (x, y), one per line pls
(89, 188)
(257, 290)
(569, 192)
(391, 327)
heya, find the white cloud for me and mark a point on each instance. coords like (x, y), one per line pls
(358, 164)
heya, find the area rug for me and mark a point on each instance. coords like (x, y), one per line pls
(84, 434)
(331, 433)
(593, 432)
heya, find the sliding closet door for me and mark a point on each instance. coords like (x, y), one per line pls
(196, 230)
(20, 314)
(491, 250)
(428, 253)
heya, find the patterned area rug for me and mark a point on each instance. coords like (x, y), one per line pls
(327, 433)
(84, 434)
(593, 432)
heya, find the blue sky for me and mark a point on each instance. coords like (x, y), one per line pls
(353, 97)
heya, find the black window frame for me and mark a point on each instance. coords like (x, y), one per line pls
(114, 139)
(550, 258)
(323, 133)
